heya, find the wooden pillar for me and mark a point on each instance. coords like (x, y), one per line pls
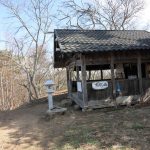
(68, 82)
(139, 73)
(147, 70)
(101, 74)
(84, 83)
(113, 77)
(77, 71)
(89, 75)
(78, 78)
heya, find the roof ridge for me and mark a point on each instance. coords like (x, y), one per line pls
(98, 30)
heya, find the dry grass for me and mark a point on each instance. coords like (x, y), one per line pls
(110, 129)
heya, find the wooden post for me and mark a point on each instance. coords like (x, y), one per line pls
(89, 75)
(77, 71)
(84, 83)
(101, 74)
(78, 78)
(139, 73)
(68, 82)
(113, 78)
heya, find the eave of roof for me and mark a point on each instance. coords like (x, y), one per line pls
(74, 41)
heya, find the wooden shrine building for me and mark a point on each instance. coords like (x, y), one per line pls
(103, 64)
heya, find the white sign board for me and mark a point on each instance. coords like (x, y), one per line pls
(100, 85)
(79, 86)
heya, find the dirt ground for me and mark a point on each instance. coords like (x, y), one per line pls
(115, 129)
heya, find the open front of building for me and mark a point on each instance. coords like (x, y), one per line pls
(103, 66)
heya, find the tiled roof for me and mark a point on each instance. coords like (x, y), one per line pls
(102, 40)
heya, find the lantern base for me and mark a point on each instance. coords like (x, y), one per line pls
(56, 110)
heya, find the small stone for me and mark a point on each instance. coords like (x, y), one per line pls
(76, 107)
(66, 102)
(87, 109)
(48, 117)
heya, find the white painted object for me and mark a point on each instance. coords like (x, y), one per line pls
(100, 85)
(49, 85)
(79, 86)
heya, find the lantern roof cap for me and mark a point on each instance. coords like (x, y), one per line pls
(49, 82)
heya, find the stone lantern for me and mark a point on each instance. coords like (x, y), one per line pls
(50, 90)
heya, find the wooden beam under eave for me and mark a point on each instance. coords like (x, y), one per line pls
(139, 73)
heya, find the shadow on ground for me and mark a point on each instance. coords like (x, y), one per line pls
(124, 128)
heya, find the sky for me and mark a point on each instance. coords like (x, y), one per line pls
(144, 18)
(6, 24)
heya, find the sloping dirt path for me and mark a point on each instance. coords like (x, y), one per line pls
(25, 128)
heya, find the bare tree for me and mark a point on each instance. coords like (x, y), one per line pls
(96, 14)
(32, 19)
(14, 85)
(10, 76)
